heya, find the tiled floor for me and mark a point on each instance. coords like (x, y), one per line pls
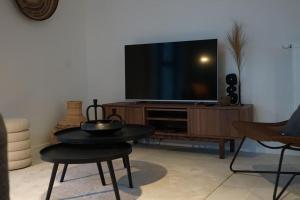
(161, 173)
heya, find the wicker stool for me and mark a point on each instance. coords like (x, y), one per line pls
(19, 147)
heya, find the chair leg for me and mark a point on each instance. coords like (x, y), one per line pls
(275, 196)
(278, 176)
(62, 178)
(52, 179)
(101, 173)
(113, 179)
(128, 171)
(255, 171)
(278, 172)
(236, 154)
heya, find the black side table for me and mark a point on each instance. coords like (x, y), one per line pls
(77, 136)
(82, 154)
(128, 133)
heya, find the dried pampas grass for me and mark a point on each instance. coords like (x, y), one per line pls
(237, 42)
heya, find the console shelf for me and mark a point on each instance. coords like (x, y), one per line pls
(166, 119)
(186, 121)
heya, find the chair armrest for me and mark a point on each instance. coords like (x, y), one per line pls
(283, 123)
(265, 132)
(260, 131)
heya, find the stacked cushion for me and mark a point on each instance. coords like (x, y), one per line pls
(19, 147)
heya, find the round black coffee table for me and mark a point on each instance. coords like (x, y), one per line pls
(78, 146)
(71, 154)
(128, 133)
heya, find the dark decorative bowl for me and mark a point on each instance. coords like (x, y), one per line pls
(101, 126)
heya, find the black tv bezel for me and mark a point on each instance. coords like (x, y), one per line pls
(172, 100)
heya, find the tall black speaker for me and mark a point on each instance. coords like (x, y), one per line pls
(231, 80)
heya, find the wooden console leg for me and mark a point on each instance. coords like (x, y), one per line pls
(222, 149)
(232, 146)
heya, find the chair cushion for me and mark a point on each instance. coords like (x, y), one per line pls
(293, 125)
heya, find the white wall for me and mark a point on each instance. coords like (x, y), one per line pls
(269, 24)
(78, 53)
(266, 77)
(296, 74)
(42, 65)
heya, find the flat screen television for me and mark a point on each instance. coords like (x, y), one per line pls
(173, 71)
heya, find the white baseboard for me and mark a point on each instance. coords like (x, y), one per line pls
(249, 146)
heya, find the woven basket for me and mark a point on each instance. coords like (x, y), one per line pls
(72, 119)
(37, 9)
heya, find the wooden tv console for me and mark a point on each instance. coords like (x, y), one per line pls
(179, 121)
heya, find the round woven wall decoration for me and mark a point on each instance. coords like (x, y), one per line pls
(37, 9)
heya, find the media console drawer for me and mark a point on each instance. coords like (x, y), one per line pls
(213, 122)
(167, 120)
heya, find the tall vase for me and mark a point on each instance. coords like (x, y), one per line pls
(72, 119)
(239, 93)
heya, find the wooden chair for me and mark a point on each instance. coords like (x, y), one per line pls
(4, 185)
(268, 132)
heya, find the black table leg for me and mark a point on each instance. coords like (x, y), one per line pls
(113, 179)
(101, 173)
(124, 162)
(128, 171)
(53, 174)
(64, 173)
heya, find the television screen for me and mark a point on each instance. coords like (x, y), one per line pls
(174, 71)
